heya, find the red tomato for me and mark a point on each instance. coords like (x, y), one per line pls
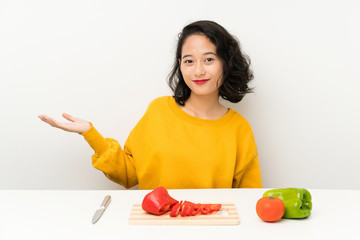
(270, 209)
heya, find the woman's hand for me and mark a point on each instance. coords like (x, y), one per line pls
(75, 125)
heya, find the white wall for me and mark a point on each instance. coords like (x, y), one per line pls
(104, 61)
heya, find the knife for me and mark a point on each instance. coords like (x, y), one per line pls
(100, 211)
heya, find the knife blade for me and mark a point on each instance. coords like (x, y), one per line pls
(99, 212)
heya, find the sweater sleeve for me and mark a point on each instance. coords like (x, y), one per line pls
(117, 164)
(247, 171)
(250, 177)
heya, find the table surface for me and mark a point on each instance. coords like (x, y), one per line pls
(67, 214)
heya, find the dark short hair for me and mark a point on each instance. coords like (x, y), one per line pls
(236, 65)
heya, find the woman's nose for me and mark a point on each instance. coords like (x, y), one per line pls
(199, 69)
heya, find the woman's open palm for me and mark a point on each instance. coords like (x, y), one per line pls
(76, 125)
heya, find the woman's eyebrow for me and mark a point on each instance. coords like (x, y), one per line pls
(185, 56)
(207, 53)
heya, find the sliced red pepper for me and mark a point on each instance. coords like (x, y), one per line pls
(184, 208)
(187, 208)
(214, 207)
(205, 209)
(190, 209)
(158, 201)
(197, 209)
(176, 209)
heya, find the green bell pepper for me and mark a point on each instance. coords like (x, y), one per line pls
(297, 201)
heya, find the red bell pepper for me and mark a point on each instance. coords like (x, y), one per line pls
(158, 201)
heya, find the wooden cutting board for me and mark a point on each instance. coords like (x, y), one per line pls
(226, 216)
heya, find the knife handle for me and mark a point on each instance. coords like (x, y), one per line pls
(106, 201)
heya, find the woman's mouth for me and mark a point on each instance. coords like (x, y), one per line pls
(201, 81)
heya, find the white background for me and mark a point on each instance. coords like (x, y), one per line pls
(104, 61)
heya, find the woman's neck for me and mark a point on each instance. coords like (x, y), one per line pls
(205, 107)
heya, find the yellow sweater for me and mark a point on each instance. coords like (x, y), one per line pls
(173, 149)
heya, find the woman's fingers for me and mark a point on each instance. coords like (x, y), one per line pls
(75, 125)
(47, 119)
(52, 122)
(69, 117)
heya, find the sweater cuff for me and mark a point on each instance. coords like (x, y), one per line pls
(95, 140)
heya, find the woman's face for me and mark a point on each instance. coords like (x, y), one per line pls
(200, 66)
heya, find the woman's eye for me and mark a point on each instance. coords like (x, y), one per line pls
(209, 60)
(188, 61)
